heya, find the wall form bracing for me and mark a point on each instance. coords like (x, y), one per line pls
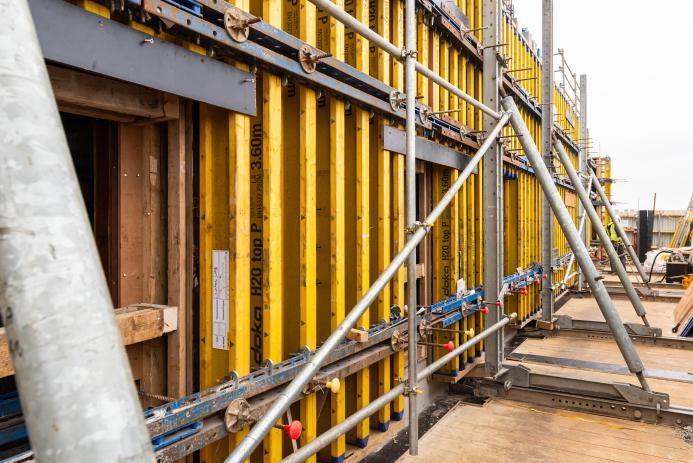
(309, 206)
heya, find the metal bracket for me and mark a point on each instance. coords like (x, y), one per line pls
(412, 53)
(522, 376)
(237, 24)
(412, 229)
(567, 322)
(411, 390)
(237, 415)
(308, 57)
(396, 99)
(397, 341)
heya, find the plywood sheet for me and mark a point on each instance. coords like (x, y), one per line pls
(492, 433)
(659, 313)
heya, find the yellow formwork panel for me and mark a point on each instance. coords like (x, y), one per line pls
(350, 194)
(398, 205)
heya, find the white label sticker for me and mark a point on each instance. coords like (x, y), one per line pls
(220, 299)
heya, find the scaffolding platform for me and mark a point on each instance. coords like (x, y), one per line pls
(494, 433)
(573, 435)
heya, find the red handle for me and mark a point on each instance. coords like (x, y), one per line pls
(544, 277)
(523, 291)
(449, 346)
(485, 310)
(293, 430)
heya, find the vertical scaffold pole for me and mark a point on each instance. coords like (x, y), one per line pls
(410, 90)
(547, 298)
(582, 256)
(492, 186)
(54, 298)
(584, 143)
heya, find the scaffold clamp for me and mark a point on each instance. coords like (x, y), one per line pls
(416, 225)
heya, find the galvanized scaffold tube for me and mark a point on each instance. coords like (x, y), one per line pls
(410, 203)
(74, 380)
(601, 232)
(376, 39)
(331, 434)
(619, 228)
(547, 121)
(292, 391)
(582, 256)
(581, 228)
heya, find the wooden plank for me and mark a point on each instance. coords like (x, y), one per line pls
(357, 335)
(90, 95)
(576, 437)
(154, 253)
(137, 323)
(659, 313)
(683, 311)
(131, 207)
(178, 174)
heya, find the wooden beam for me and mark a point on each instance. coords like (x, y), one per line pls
(89, 95)
(177, 174)
(137, 323)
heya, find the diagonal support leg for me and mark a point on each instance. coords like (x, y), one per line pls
(619, 228)
(581, 254)
(601, 232)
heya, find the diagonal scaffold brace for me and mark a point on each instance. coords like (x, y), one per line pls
(574, 239)
(601, 232)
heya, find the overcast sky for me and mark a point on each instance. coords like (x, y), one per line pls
(639, 74)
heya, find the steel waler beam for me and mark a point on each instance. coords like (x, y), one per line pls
(547, 299)
(54, 298)
(606, 306)
(493, 185)
(601, 232)
(619, 228)
(583, 158)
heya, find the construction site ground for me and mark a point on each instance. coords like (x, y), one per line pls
(489, 432)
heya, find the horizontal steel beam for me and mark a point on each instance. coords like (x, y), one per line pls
(671, 416)
(75, 37)
(426, 150)
(599, 366)
(673, 342)
(567, 322)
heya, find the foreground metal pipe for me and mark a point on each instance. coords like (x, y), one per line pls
(410, 92)
(582, 256)
(547, 121)
(601, 232)
(378, 40)
(583, 219)
(331, 434)
(619, 229)
(77, 392)
(294, 388)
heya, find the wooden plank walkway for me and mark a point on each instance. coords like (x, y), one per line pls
(510, 431)
(494, 433)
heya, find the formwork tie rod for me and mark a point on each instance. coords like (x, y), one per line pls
(331, 434)
(294, 389)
